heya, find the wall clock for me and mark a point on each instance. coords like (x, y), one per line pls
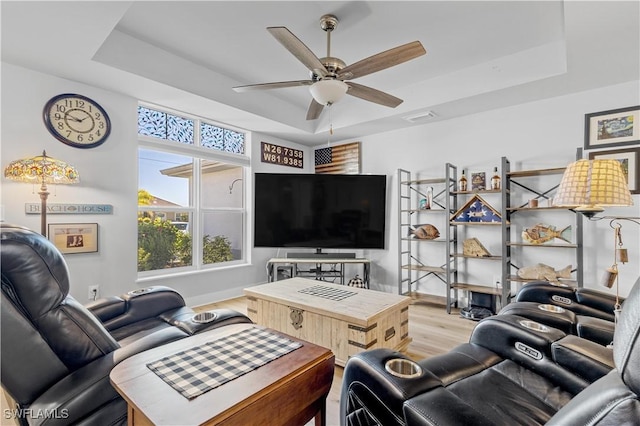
(77, 120)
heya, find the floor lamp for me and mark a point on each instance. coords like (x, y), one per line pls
(588, 186)
(42, 170)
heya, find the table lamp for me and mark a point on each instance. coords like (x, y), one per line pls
(43, 170)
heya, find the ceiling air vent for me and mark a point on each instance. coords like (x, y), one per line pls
(420, 117)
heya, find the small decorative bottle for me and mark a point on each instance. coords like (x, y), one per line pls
(462, 182)
(429, 198)
(495, 179)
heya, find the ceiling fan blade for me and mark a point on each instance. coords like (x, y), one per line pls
(277, 85)
(372, 95)
(299, 50)
(314, 110)
(383, 60)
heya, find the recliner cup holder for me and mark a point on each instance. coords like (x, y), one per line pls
(204, 317)
(552, 308)
(403, 368)
(532, 325)
(139, 291)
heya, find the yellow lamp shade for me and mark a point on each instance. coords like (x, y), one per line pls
(590, 185)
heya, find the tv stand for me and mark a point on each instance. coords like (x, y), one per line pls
(321, 268)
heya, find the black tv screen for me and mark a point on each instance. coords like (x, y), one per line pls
(319, 211)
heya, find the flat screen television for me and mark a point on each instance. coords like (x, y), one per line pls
(320, 211)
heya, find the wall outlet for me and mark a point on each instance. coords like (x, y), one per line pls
(94, 292)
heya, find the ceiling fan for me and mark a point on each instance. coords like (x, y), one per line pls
(330, 77)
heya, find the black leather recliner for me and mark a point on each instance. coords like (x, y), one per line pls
(507, 374)
(57, 354)
(584, 312)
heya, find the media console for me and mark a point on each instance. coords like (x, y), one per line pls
(321, 268)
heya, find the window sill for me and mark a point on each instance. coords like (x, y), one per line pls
(184, 273)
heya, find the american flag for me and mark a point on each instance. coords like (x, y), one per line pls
(477, 210)
(339, 159)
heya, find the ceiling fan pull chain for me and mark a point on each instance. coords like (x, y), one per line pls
(330, 124)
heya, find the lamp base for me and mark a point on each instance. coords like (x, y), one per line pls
(44, 194)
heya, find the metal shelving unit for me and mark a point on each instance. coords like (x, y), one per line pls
(479, 287)
(414, 264)
(520, 182)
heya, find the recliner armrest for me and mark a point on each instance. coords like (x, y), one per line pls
(581, 301)
(382, 393)
(595, 329)
(563, 320)
(107, 308)
(460, 362)
(597, 299)
(145, 303)
(184, 319)
(545, 292)
(585, 358)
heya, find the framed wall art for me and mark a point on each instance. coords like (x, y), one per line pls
(338, 159)
(71, 238)
(478, 181)
(629, 159)
(616, 127)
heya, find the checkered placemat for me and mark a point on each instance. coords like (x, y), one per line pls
(327, 292)
(197, 370)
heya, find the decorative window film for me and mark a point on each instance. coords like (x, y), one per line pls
(152, 123)
(162, 125)
(179, 129)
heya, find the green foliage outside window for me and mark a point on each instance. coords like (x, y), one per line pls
(216, 249)
(156, 243)
(162, 245)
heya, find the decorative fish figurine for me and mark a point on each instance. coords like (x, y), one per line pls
(542, 233)
(425, 232)
(544, 272)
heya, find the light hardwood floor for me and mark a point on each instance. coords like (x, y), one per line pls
(433, 332)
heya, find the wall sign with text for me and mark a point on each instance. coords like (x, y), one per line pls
(282, 155)
(53, 208)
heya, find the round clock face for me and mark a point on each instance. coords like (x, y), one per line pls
(77, 120)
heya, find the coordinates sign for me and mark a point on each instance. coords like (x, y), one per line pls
(281, 155)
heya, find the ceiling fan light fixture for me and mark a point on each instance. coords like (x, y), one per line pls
(328, 92)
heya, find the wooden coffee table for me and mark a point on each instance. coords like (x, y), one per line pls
(289, 390)
(346, 319)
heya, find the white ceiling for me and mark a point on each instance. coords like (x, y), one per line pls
(188, 55)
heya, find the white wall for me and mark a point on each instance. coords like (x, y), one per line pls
(538, 134)
(534, 135)
(108, 175)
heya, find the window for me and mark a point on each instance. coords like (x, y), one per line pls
(191, 212)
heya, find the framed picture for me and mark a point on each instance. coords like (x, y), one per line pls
(630, 161)
(478, 181)
(615, 127)
(71, 238)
